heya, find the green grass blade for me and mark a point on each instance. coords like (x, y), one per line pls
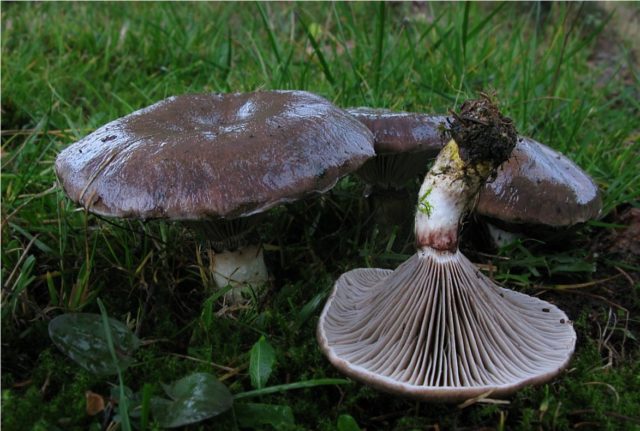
(124, 402)
(379, 46)
(317, 50)
(229, 57)
(465, 27)
(478, 27)
(267, 26)
(145, 406)
(290, 386)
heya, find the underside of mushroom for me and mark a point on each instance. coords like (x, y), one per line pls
(438, 329)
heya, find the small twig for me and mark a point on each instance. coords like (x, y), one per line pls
(623, 417)
(608, 386)
(610, 414)
(22, 384)
(106, 162)
(491, 256)
(626, 275)
(233, 373)
(482, 398)
(202, 361)
(61, 133)
(389, 416)
(486, 267)
(591, 295)
(583, 285)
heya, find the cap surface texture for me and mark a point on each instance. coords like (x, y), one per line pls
(538, 185)
(400, 132)
(200, 156)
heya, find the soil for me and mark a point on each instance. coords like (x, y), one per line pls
(482, 133)
(614, 289)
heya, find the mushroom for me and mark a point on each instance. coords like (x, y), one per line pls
(437, 329)
(214, 162)
(536, 186)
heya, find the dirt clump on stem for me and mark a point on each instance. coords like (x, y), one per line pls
(482, 133)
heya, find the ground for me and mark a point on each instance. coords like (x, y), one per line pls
(567, 74)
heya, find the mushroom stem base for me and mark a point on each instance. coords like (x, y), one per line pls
(500, 237)
(436, 329)
(244, 269)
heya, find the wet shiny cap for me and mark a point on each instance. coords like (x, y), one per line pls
(538, 185)
(400, 132)
(214, 155)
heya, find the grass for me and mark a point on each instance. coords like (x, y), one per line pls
(68, 68)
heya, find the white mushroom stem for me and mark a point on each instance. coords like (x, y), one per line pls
(444, 198)
(500, 237)
(244, 269)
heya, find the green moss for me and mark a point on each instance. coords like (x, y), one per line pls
(424, 206)
(54, 396)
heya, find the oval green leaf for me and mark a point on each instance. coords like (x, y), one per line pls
(82, 337)
(262, 358)
(257, 416)
(194, 398)
(347, 423)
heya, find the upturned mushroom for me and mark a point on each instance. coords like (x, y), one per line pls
(536, 186)
(214, 162)
(436, 328)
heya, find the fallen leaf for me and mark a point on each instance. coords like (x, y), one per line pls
(95, 403)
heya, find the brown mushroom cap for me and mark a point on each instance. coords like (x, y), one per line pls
(405, 142)
(214, 155)
(538, 185)
(401, 132)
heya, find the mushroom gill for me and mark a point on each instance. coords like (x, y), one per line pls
(438, 329)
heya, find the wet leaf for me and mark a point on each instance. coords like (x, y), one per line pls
(95, 403)
(309, 309)
(132, 400)
(347, 423)
(256, 415)
(194, 398)
(261, 363)
(81, 336)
